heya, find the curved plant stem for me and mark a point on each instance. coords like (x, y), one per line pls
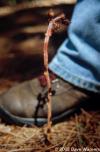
(48, 34)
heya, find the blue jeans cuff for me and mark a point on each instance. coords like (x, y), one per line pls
(76, 80)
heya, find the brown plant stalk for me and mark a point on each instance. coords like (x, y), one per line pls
(51, 27)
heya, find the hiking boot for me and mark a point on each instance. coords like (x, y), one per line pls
(26, 103)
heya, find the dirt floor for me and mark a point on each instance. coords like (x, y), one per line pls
(21, 43)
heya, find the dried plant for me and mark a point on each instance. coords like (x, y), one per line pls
(54, 24)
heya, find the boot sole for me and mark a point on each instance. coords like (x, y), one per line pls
(12, 119)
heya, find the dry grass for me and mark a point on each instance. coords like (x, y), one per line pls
(80, 131)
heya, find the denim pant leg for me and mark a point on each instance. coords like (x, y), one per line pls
(78, 59)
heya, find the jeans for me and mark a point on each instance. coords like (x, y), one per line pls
(78, 59)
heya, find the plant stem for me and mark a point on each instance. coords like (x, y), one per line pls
(46, 72)
(48, 34)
